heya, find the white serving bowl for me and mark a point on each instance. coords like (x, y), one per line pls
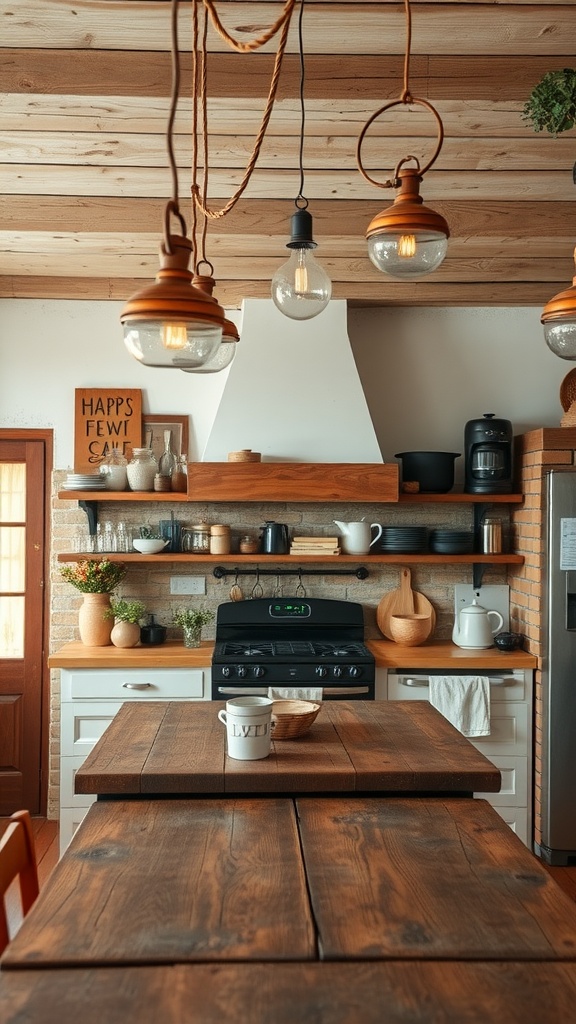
(149, 546)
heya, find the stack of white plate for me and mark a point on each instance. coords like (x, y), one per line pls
(85, 482)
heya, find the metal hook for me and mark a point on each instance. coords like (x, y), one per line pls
(300, 589)
(277, 592)
(257, 589)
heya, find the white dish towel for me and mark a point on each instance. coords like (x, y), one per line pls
(464, 701)
(295, 692)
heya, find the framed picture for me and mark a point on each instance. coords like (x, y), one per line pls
(153, 428)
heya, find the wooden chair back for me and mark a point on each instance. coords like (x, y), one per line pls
(17, 860)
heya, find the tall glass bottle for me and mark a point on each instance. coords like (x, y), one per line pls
(168, 460)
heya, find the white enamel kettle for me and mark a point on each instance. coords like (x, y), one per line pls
(473, 626)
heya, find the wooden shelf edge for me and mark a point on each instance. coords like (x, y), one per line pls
(401, 559)
(460, 498)
(122, 496)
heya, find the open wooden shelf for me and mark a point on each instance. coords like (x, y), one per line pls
(397, 559)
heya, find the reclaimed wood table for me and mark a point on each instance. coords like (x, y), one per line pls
(326, 993)
(179, 748)
(307, 879)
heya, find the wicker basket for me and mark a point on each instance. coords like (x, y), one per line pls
(292, 718)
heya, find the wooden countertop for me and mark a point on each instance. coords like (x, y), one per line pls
(172, 654)
(179, 747)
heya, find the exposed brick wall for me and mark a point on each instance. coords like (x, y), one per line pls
(535, 453)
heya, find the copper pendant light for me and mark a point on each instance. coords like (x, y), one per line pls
(559, 320)
(407, 239)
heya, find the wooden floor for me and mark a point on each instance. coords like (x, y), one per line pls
(47, 852)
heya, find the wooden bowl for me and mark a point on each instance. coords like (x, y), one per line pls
(292, 718)
(410, 630)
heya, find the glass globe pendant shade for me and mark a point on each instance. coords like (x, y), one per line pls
(559, 320)
(173, 323)
(301, 288)
(224, 354)
(408, 240)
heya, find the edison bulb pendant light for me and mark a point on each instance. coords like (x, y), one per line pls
(301, 288)
(408, 239)
(559, 320)
(173, 323)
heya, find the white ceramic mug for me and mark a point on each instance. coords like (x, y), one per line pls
(248, 727)
(360, 538)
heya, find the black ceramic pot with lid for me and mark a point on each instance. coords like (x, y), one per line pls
(488, 444)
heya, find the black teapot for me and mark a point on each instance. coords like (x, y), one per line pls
(275, 539)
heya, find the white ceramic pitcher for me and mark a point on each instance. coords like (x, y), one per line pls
(357, 538)
(473, 626)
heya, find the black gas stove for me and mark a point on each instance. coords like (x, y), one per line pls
(292, 642)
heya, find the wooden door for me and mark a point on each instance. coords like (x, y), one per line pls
(22, 562)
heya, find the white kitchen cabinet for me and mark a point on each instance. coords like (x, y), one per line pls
(509, 745)
(89, 700)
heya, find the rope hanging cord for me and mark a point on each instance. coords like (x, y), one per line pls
(283, 23)
(405, 99)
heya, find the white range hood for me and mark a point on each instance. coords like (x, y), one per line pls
(293, 392)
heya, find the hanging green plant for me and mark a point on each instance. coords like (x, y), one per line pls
(552, 103)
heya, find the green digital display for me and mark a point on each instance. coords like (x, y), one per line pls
(289, 610)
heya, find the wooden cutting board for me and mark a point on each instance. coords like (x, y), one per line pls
(403, 601)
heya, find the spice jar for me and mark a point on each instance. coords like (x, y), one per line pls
(200, 539)
(141, 470)
(179, 477)
(219, 540)
(248, 545)
(113, 469)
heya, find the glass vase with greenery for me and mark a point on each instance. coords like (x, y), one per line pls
(191, 621)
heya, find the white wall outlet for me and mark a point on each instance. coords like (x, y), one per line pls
(493, 598)
(187, 584)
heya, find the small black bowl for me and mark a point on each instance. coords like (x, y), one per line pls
(508, 641)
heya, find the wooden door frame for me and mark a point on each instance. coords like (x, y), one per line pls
(47, 437)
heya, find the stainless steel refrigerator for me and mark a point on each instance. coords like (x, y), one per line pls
(559, 671)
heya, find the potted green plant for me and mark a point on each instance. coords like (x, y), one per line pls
(126, 615)
(191, 620)
(552, 103)
(96, 579)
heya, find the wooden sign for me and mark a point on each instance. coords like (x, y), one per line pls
(105, 419)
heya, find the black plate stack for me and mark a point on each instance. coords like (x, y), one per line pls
(451, 542)
(398, 540)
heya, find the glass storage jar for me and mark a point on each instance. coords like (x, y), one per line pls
(113, 469)
(142, 469)
(179, 478)
(199, 539)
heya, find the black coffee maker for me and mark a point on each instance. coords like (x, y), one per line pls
(488, 446)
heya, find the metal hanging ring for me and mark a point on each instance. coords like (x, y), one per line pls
(206, 264)
(391, 183)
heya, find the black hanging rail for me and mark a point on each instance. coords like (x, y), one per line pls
(221, 572)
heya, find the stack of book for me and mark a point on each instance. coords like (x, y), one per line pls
(315, 546)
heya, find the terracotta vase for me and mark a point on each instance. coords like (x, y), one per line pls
(94, 629)
(125, 634)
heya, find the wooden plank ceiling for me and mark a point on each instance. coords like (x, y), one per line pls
(84, 87)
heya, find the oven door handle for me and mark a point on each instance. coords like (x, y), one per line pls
(422, 681)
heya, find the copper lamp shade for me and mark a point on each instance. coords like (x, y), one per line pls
(173, 323)
(408, 239)
(559, 320)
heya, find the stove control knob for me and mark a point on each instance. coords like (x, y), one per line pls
(354, 671)
(337, 671)
(241, 671)
(226, 671)
(258, 671)
(321, 671)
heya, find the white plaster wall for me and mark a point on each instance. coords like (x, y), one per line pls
(425, 372)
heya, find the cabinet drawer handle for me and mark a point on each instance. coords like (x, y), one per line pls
(136, 686)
